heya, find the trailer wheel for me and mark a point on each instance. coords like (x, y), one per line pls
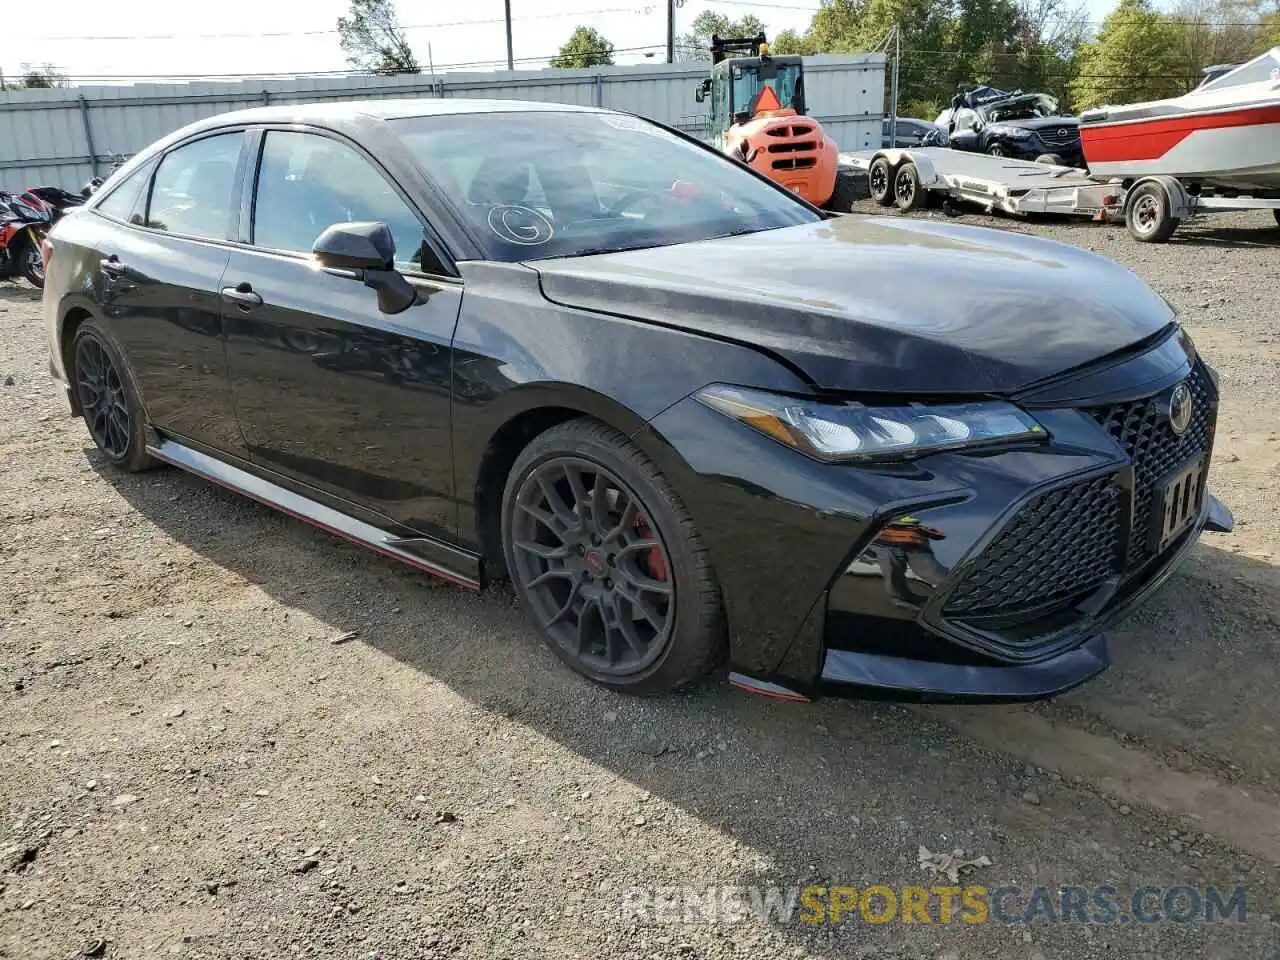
(1147, 214)
(908, 194)
(880, 181)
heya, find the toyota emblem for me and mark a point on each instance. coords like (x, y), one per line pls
(1180, 409)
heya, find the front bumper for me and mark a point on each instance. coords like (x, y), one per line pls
(927, 580)
(1030, 148)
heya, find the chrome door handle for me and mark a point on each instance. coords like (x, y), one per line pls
(242, 294)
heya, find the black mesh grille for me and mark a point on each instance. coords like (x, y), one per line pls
(1142, 428)
(1060, 547)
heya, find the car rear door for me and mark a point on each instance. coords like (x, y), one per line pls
(160, 268)
(331, 392)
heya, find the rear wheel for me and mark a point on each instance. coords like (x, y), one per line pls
(1148, 214)
(880, 181)
(908, 194)
(608, 563)
(109, 399)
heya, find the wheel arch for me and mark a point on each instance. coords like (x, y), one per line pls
(72, 314)
(518, 416)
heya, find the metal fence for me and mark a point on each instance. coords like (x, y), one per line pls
(64, 136)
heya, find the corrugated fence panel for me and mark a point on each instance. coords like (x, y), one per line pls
(54, 136)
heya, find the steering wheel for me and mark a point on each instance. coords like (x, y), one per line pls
(629, 199)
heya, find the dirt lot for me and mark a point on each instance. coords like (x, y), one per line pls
(190, 767)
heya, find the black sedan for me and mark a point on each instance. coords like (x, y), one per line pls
(690, 416)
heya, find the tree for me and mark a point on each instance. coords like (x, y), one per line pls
(696, 44)
(41, 78)
(586, 47)
(789, 43)
(1216, 31)
(1134, 58)
(373, 40)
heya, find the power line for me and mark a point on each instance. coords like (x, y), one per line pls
(289, 74)
(250, 35)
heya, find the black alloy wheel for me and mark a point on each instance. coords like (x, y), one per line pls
(596, 571)
(102, 399)
(607, 561)
(880, 181)
(108, 399)
(908, 192)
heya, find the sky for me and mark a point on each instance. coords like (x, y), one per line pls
(96, 39)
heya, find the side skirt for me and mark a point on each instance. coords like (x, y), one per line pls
(304, 509)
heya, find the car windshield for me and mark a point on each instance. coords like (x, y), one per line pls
(539, 184)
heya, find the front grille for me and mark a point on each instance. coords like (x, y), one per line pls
(1068, 137)
(1056, 550)
(1142, 428)
(1023, 590)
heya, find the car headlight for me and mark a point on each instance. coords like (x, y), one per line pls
(854, 431)
(1015, 133)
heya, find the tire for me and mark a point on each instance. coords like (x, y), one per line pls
(908, 194)
(1276, 214)
(645, 547)
(30, 259)
(117, 423)
(880, 181)
(1147, 214)
(995, 150)
(850, 188)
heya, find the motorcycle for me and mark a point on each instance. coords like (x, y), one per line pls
(24, 223)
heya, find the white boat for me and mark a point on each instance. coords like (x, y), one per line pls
(1224, 134)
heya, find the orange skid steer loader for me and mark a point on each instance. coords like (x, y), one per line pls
(758, 116)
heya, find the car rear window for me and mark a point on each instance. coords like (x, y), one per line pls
(541, 184)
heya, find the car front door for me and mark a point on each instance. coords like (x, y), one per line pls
(964, 133)
(331, 392)
(160, 269)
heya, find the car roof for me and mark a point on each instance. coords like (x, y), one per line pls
(391, 109)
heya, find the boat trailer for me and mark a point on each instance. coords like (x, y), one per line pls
(1151, 207)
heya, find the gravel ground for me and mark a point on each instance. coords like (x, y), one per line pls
(189, 766)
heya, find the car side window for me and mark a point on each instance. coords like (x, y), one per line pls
(965, 120)
(128, 198)
(193, 187)
(308, 182)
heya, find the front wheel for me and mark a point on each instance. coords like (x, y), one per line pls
(30, 259)
(995, 150)
(608, 562)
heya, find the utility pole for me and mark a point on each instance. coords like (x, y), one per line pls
(511, 63)
(671, 31)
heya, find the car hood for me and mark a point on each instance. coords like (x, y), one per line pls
(880, 304)
(1040, 123)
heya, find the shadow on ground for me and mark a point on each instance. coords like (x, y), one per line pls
(840, 792)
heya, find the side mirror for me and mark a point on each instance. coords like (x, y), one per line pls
(356, 246)
(366, 252)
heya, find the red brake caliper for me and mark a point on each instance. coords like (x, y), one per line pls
(654, 561)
